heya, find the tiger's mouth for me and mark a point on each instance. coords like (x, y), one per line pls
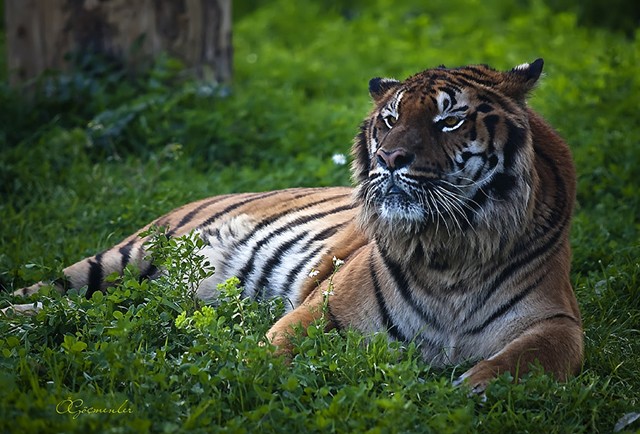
(393, 189)
(396, 188)
(415, 203)
(396, 201)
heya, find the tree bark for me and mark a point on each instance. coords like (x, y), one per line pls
(40, 33)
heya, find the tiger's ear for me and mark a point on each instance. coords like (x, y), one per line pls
(522, 79)
(378, 87)
(529, 73)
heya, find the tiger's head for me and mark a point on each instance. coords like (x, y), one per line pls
(447, 151)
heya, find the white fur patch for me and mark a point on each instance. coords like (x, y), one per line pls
(446, 108)
(522, 67)
(220, 241)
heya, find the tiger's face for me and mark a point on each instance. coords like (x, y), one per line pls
(447, 149)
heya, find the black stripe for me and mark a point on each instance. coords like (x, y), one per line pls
(250, 265)
(556, 316)
(402, 285)
(500, 185)
(125, 252)
(476, 69)
(462, 108)
(333, 320)
(515, 140)
(63, 283)
(452, 96)
(272, 263)
(296, 271)
(490, 123)
(191, 214)
(162, 222)
(149, 272)
(475, 204)
(327, 232)
(362, 149)
(438, 263)
(505, 307)
(230, 208)
(95, 275)
(271, 219)
(484, 108)
(281, 251)
(466, 77)
(323, 235)
(473, 133)
(418, 253)
(388, 323)
(495, 98)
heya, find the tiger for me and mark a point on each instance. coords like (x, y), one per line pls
(454, 235)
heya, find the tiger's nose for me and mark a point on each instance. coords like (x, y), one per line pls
(396, 159)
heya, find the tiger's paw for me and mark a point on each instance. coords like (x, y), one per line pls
(478, 377)
(22, 309)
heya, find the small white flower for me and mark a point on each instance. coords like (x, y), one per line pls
(205, 90)
(337, 262)
(314, 273)
(339, 159)
(327, 293)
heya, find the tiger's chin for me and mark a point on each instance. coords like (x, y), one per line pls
(400, 213)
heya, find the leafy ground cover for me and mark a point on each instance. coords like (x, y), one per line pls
(96, 154)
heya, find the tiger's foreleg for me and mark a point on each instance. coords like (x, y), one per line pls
(557, 343)
(34, 307)
(311, 310)
(29, 308)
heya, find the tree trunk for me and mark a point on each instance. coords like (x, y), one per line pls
(40, 33)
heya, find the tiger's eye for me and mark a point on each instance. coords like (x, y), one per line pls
(390, 121)
(450, 121)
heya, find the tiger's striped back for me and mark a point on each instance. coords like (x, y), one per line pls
(271, 241)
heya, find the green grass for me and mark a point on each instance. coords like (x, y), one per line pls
(98, 154)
